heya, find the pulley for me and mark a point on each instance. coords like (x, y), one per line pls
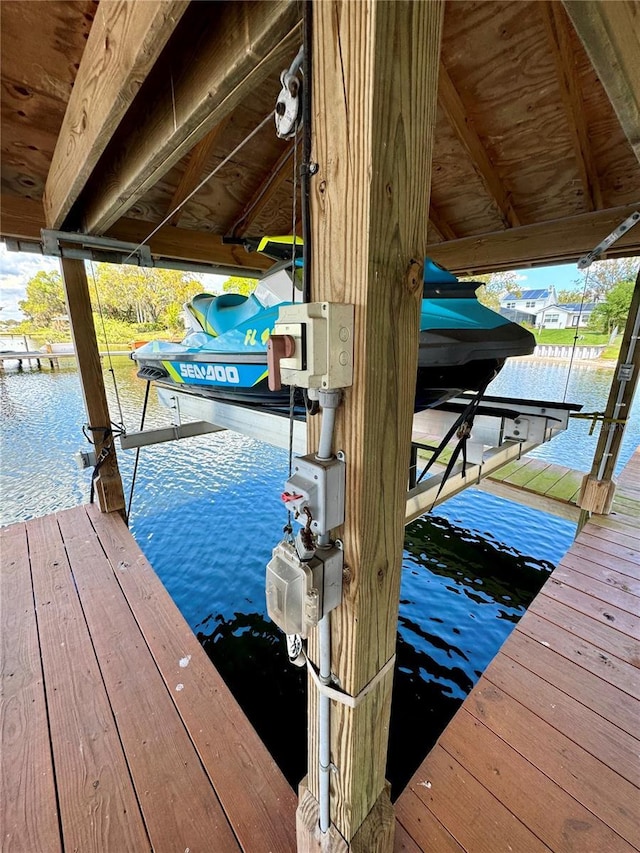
(288, 112)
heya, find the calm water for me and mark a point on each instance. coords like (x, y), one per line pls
(207, 513)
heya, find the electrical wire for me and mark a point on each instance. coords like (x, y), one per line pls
(135, 464)
(575, 337)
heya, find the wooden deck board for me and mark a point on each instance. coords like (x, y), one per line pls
(550, 735)
(29, 809)
(131, 760)
(261, 814)
(98, 808)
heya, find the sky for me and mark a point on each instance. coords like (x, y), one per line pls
(16, 268)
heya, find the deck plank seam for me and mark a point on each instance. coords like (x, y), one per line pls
(502, 806)
(45, 691)
(185, 726)
(537, 769)
(598, 592)
(589, 571)
(623, 633)
(106, 690)
(599, 758)
(560, 651)
(434, 817)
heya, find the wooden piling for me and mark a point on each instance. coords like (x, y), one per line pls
(375, 74)
(108, 483)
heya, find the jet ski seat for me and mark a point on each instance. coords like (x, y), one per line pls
(218, 314)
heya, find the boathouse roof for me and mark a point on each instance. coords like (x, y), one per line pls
(111, 117)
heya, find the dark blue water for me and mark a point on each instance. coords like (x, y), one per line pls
(207, 513)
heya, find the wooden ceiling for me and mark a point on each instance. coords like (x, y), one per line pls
(113, 112)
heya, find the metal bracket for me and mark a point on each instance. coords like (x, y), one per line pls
(69, 244)
(586, 260)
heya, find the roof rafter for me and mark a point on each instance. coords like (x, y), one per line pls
(194, 169)
(610, 33)
(457, 115)
(269, 186)
(555, 241)
(443, 228)
(123, 44)
(557, 27)
(236, 53)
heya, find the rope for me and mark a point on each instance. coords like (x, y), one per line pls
(575, 338)
(208, 177)
(135, 464)
(106, 342)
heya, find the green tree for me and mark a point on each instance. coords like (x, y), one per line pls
(570, 296)
(143, 295)
(603, 276)
(45, 298)
(238, 284)
(494, 285)
(613, 311)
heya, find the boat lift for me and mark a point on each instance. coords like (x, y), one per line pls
(503, 430)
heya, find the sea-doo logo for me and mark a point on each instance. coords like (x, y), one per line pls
(211, 373)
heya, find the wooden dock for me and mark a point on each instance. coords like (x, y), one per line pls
(544, 753)
(118, 734)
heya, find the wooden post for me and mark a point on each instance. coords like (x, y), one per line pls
(108, 484)
(598, 487)
(375, 75)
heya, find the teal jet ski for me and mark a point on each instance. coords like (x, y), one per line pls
(462, 343)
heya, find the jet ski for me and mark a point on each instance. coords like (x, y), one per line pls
(462, 343)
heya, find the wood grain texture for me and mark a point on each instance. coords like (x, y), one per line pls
(606, 666)
(278, 172)
(262, 812)
(374, 111)
(194, 168)
(473, 816)
(602, 739)
(563, 823)
(561, 45)
(108, 483)
(458, 117)
(179, 805)
(422, 827)
(599, 788)
(124, 42)
(610, 33)
(236, 50)
(620, 620)
(544, 243)
(592, 691)
(28, 799)
(98, 807)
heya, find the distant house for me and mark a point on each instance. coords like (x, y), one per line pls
(565, 316)
(523, 308)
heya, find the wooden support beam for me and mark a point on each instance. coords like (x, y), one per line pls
(441, 226)
(598, 487)
(189, 245)
(194, 169)
(23, 219)
(610, 33)
(273, 180)
(108, 483)
(374, 116)
(243, 43)
(124, 42)
(459, 120)
(556, 241)
(557, 27)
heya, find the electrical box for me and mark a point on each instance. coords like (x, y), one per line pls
(318, 484)
(85, 459)
(300, 593)
(323, 336)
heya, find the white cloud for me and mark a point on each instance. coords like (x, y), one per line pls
(16, 268)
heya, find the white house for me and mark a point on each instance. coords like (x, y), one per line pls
(523, 308)
(565, 316)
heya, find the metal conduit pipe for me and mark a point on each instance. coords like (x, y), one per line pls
(329, 402)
